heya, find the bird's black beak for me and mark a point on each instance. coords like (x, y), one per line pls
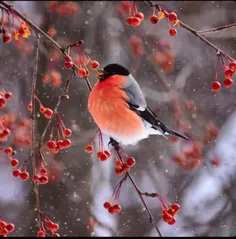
(100, 73)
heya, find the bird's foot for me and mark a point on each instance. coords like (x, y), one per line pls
(113, 143)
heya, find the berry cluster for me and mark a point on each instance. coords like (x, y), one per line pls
(81, 60)
(163, 55)
(63, 9)
(121, 167)
(112, 208)
(46, 223)
(136, 44)
(52, 77)
(102, 154)
(23, 30)
(43, 110)
(190, 157)
(5, 228)
(6, 37)
(41, 176)
(4, 96)
(168, 210)
(229, 71)
(171, 18)
(168, 214)
(135, 17)
(60, 141)
(112, 205)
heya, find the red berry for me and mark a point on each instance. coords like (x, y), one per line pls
(175, 207)
(172, 221)
(103, 157)
(129, 21)
(82, 72)
(60, 144)
(119, 163)
(2, 224)
(55, 227)
(48, 113)
(67, 132)
(108, 154)
(66, 143)
(126, 167)
(6, 37)
(68, 65)
(41, 234)
(42, 109)
(173, 32)
(111, 210)
(139, 15)
(68, 58)
(116, 208)
(49, 225)
(107, 205)
(8, 95)
(154, 19)
(131, 161)
(216, 86)
(8, 151)
(136, 21)
(51, 144)
(228, 82)
(16, 173)
(172, 16)
(24, 176)
(94, 65)
(14, 162)
(6, 131)
(30, 107)
(43, 179)
(118, 171)
(171, 211)
(36, 177)
(232, 65)
(167, 217)
(43, 171)
(89, 149)
(228, 73)
(10, 227)
(4, 232)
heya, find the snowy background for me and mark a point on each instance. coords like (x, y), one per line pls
(205, 192)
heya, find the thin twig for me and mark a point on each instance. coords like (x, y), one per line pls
(193, 31)
(217, 29)
(152, 220)
(33, 154)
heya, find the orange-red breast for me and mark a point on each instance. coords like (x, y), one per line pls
(119, 108)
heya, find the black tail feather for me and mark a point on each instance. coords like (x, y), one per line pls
(171, 131)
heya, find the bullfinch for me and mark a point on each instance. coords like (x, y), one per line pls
(119, 108)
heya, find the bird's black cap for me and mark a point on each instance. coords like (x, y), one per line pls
(110, 70)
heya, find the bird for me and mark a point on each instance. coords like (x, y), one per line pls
(119, 108)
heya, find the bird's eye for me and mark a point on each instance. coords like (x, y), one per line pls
(100, 71)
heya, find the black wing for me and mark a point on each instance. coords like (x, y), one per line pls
(151, 118)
